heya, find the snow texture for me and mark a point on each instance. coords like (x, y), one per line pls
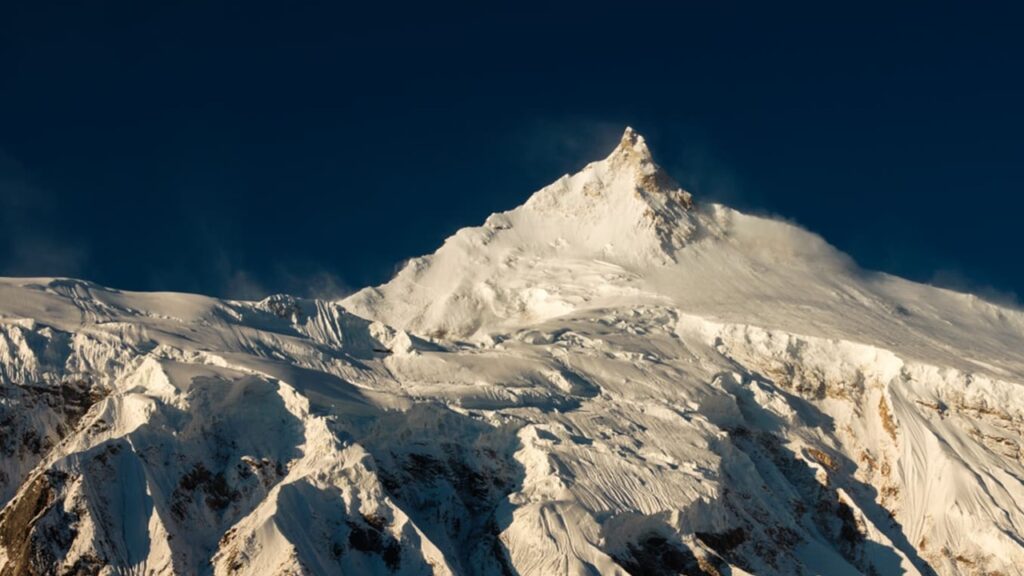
(608, 379)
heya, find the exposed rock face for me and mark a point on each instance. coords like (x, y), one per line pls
(608, 379)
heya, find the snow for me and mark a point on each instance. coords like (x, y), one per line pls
(608, 378)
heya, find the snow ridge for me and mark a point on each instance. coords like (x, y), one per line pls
(610, 378)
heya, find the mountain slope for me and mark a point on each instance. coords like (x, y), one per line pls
(608, 379)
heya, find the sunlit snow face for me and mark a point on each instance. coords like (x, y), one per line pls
(607, 378)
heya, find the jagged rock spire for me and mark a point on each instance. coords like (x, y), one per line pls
(632, 147)
(633, 155)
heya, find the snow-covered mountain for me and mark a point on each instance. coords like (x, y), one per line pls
(610, 379)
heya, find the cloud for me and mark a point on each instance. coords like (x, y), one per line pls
(565, 144)
(319, 284)
(957, 280)
(226, 266)
(242, 284)
(32, 242)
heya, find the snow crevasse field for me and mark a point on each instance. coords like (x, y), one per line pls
(611, 379)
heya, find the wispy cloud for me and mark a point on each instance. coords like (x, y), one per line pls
(243, 284)
(957, 280)
(320, 284)
(32, 242)
(565, 144)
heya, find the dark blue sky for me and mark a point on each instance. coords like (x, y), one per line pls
(245, 148)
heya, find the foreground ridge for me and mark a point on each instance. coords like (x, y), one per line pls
(607, 379)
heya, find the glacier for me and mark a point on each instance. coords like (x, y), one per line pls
(613, 378)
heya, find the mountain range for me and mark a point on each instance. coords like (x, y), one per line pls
(613, 378)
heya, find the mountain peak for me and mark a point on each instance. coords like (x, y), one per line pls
(619, 213)
(633, 156)
(633, 146)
